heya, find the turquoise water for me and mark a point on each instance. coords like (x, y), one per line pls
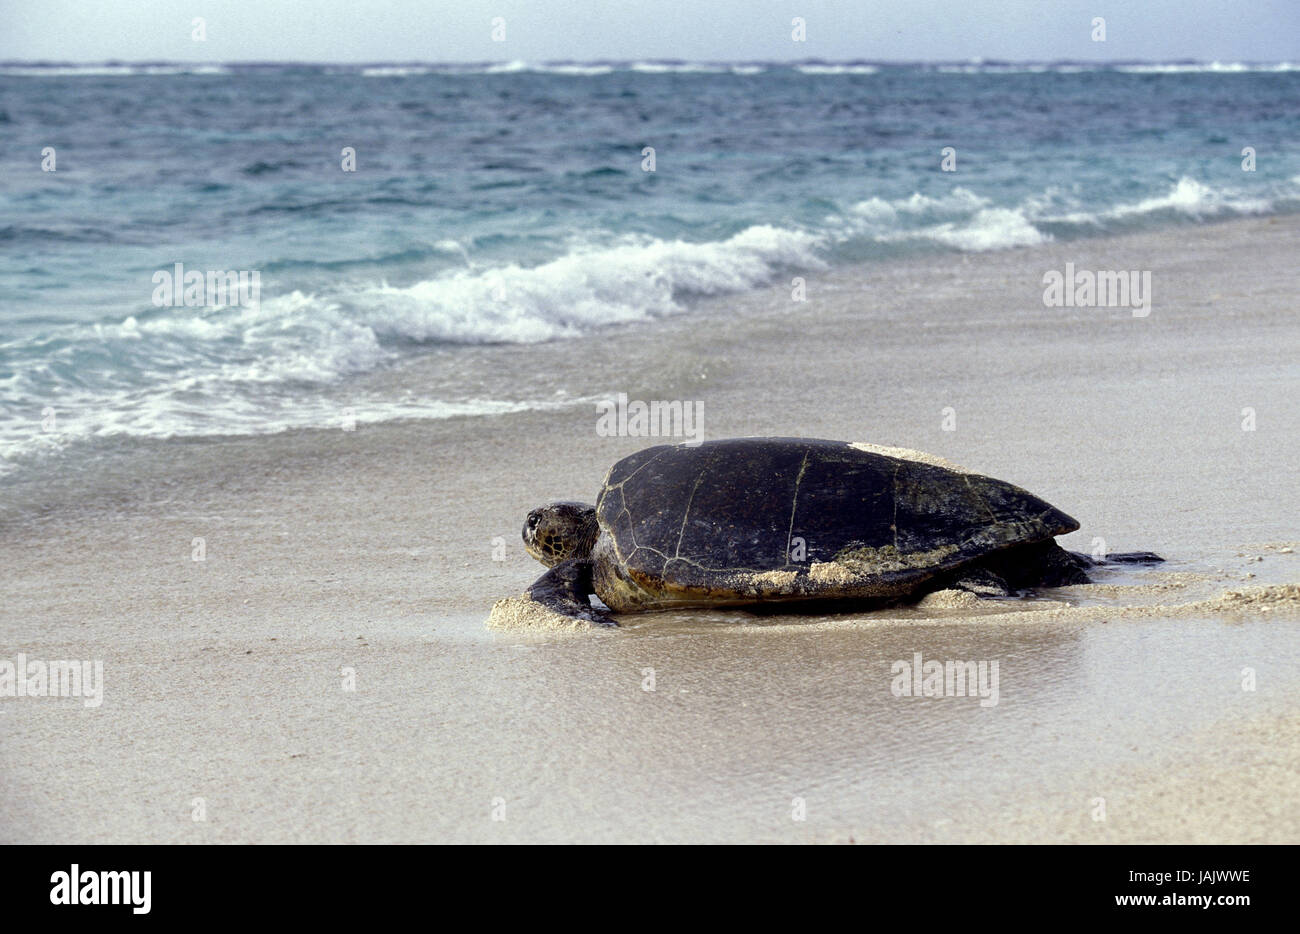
(511, 204)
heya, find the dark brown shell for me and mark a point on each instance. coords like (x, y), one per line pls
(722, 521)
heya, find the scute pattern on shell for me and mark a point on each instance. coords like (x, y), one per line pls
(743, 520)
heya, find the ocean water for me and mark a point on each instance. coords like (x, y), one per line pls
(510, 204)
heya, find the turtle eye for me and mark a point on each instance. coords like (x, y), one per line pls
(532, 520)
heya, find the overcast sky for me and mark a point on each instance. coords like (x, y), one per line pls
(722, 30)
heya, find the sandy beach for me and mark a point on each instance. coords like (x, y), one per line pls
(332, 555)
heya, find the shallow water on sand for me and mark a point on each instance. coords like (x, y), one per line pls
(745, 717)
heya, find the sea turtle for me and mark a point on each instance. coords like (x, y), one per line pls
(796, 523)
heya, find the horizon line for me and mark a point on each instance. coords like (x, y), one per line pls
(633, 61)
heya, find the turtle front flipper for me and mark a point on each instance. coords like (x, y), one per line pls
(566, 589)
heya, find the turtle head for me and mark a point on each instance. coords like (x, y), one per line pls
(559, 531)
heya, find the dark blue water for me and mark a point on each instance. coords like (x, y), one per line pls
(510, 204)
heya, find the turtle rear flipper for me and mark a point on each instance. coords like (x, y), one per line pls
(566, 589)
(1118, 557)
(1132, 557)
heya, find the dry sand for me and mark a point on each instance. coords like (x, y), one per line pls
(368, 554)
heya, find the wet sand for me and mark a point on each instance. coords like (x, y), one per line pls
(372, 550)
